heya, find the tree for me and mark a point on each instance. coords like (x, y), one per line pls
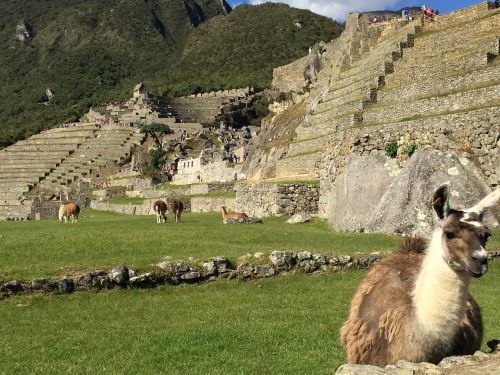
(158, 132)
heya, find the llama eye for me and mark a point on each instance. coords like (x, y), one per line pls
(449, 234)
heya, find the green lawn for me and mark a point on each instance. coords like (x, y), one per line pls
(103, 239)
(283, 325)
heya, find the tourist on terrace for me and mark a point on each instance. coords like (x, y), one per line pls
(406, 14)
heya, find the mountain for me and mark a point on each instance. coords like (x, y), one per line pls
(87, 52)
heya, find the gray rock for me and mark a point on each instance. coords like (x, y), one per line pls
(119, 275)
(84, 281)
(299, 218)
(354, 199)
(340, 260)
(303, 255)
(148, 280)
(39, 284)
(62, 286)
(179, 268)
(366, 261)
(102, 282)
(244, 271)
(282, 260)
(209, 269)
(222, 264)
(320, 259)
(309, 266)
(264, 270)
(12, 287)
(191, 276)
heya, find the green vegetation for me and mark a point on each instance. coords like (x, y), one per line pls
(391, 149)
(412, 147)
(286, 325)
(89, 52)
(103, 239)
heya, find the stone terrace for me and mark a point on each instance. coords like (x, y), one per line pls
(407, 75)
(352, 85)
(58, 157)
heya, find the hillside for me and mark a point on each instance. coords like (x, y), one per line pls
(88, 52)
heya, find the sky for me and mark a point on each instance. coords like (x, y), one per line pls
(337, 9)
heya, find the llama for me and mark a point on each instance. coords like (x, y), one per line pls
(177, 208)
(415, 305)
(160, 208)
(240, 216)
(69, 212)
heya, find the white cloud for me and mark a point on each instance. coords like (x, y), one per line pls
(335, 9)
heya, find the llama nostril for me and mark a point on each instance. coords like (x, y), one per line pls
(480, 256)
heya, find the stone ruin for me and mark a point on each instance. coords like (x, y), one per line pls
(385, 90)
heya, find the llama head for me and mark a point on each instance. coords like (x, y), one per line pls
(463, 233)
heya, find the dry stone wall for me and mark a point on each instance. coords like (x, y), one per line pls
(266, 199)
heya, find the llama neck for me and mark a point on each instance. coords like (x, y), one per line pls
(440, 293)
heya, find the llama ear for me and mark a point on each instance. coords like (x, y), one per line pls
(440, 201)
(489, 201)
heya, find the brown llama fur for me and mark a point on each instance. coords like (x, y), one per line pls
(415, 305)
(177, 208)
(160, 208)
(241, 216)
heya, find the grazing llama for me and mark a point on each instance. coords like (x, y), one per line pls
(177, 208)
(69, 211)
(240, 216)
(415, 305)
(160, 208)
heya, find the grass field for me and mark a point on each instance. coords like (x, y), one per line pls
(282, 325)
(103, 239)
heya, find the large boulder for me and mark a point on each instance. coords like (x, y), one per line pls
(358, 192)
(374, 195)
(406, 207)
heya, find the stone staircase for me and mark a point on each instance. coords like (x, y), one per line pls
(354, 84)
(441, 75)
(56, 158)
(26, 163)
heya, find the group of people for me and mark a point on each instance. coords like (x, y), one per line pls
(428, 13)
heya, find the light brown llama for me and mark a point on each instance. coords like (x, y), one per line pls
(415, 305)
(69, 211)
(240, 216)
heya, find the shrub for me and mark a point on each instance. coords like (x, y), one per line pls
(391, 149)
(412, 147)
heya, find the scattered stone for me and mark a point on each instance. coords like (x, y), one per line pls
(12, 287)
(282, 260)
(148, 280)
(264, 270)
(179, 269)
(303, 255)
(84, 281)
(244, 271)
(209, 269)
(340, 260)
(119, 275)
(366, 261)
(222, 264)
(308, 266)
(102, 282)
(299, 218)
(39, 284)
(62, 286)
(320, 259)
(191, 276)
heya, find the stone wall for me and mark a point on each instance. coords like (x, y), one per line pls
(137, 209)
(266, 199)
(212, 204)
(207, 188)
